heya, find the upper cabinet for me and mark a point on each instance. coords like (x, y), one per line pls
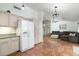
(3, 19)
(13, 20)
(8, 19)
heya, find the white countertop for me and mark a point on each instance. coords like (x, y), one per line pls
(2, 36)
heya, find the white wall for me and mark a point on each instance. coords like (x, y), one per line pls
(41, 27)
(70, 26)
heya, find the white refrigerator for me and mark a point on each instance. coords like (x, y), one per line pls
(26, 32)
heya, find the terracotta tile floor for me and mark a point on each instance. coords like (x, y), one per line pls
(50, 47)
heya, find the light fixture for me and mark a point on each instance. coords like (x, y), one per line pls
(22, 7)
(55, 14)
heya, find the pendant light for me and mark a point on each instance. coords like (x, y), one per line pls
(55, 14)
(22, 7)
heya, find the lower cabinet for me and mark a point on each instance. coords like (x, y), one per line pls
(9, 45)
(14, 44)
(4, 46)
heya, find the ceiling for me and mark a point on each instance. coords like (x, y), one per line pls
(67, 11)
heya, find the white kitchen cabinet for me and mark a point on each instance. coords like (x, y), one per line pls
(4, 47)
(8, 19)
(13, 20)
(3, 19)
(14, 44)
(9, 45)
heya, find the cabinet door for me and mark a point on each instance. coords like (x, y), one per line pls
(4, 47)
(31, 34)
(3, 19)
(14, 44)
(12, 20)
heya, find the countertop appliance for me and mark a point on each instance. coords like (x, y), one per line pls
(26, 32)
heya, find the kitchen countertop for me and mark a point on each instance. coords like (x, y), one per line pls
(3, 36)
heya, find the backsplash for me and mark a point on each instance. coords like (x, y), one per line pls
(7, 30)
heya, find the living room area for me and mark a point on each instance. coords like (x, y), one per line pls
(63, 38)
(63, 29)
(66, 30)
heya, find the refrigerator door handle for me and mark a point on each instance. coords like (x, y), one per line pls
(24, 32)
